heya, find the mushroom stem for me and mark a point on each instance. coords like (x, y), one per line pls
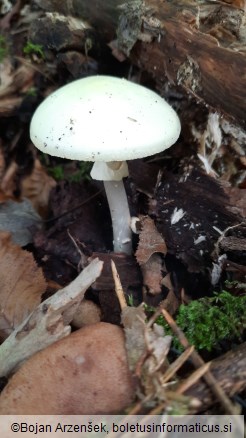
(120, 214)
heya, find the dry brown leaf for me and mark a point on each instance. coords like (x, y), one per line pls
(237, 200)
(37, 186)
(6, 70)
(147, 348)
(150, 241)
(8, 105)
(8, 102)
(3, 197)
(237, 3)
(159, 346)
(7, 194)
(152, 274)
(2, 166)
(7, 177)
(133, 320)
(21, 285)
(19, 80)
(14, 82)
(49, 321)
(144, 341)
(171, 303)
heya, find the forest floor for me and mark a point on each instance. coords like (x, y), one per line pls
(189, 249)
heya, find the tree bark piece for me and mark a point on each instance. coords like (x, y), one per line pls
(197, 45)
(190, 53)
(48, 322)
(230, 372)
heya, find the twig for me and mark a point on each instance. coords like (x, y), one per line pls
(198, 362)
(48, 322)
(193, 378)
(83, 259)
(176, 365)
(118, 286)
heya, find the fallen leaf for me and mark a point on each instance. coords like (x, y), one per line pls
(236, 3)
(171, 303)
(21, 285)
(7, 176)
(159, 345)
(15, 80)
(20, 219)
(37, 186)
(150, 241)
(237, 200)
(6, 70)
(133, 320)
(8, 184)
(49, 321)
(19, 80)
(143, 340)
(147, 348)
(8, 105)
(152, 274)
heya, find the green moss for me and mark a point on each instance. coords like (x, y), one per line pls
(208, 321)
(32, 91)
(31, 48)
(130, 300)
(57, 172)
(83, 173)
(3, 48)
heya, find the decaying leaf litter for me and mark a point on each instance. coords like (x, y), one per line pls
(190, 238)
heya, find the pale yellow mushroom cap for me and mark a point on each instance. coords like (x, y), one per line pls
(104, 118)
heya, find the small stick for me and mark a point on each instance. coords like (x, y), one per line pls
(49, 322)
(198, 362)
(176, 365)
(193, 378)
(118, 286)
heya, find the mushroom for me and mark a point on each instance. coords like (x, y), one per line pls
(87, 313)
(106, 120)
(86, 372)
